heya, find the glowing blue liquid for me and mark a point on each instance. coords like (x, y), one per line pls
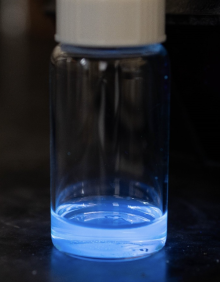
(108, 227)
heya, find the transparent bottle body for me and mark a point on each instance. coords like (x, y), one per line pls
(109, 151)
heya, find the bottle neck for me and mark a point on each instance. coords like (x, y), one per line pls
(112, 52)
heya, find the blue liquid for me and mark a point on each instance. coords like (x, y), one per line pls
(108, 227)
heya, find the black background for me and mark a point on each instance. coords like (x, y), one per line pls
(192, 252)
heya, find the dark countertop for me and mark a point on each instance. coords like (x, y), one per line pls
(192, 252)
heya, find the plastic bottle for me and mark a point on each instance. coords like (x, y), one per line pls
(109, 129)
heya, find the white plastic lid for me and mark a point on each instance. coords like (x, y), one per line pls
(110, 23)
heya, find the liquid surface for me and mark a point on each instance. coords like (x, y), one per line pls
(108, 227)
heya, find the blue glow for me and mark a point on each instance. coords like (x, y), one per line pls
(115, 52)
(108, 227)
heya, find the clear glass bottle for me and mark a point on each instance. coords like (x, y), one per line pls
(109, 150)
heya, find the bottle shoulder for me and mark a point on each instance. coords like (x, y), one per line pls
(62, 52)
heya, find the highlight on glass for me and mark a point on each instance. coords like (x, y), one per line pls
(109, 143)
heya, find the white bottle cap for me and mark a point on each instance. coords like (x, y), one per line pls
(110, 23)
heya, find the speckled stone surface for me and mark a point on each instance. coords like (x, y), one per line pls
(192, 252)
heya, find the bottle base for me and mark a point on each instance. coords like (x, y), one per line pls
(134, 252)
(108, 228)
